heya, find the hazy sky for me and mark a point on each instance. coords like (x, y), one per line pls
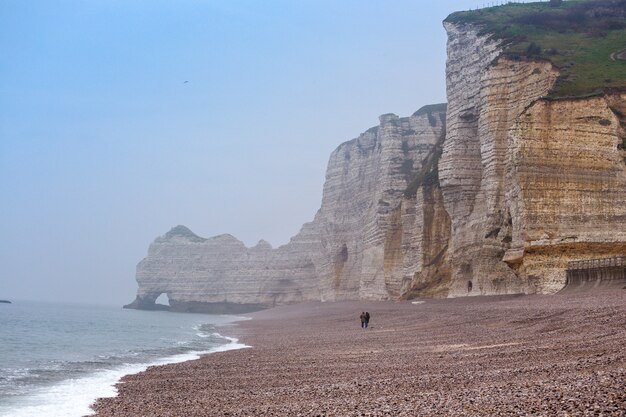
(120, 119)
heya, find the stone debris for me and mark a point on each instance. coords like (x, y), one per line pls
(560, 355)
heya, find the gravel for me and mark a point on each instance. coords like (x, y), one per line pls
(560, 355)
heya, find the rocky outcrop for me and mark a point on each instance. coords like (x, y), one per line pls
(220, 275)
(346, 252)
(497, 195)
(568, 187)
(364, 238)
(485, 98)
(529, 183)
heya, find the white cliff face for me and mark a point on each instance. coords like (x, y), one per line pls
(345, 253)
(486, 96)
(495, 196)
(221, 275)
(469, 56)
(365, 185)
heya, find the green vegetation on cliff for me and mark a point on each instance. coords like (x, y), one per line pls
(585, 39)
(429, 174)
(431, 108)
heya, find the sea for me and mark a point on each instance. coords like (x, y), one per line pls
(57, 359)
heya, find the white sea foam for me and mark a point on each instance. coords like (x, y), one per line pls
(72, 398)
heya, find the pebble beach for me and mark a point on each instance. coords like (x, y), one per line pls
(559, 355)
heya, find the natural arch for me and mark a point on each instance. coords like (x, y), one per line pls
(162, 300)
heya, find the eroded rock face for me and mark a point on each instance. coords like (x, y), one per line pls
(220, 275)
(363, 240)
(495, 196)
(529, 184)
(427, 232)
(569, 187)
(486, 95)
(346, 252)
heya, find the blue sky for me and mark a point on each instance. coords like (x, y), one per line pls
(104, 145)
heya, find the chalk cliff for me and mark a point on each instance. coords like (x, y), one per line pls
(220, 274)
(365, 245)
(348, 251)
(494, 195)
(530, 183)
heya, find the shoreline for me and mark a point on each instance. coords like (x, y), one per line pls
(119, 374)
(465, 356)
(101, 384)
(65, 380)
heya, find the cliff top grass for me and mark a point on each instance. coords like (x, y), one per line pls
(585, 39)
(183, 231)
(431, 108)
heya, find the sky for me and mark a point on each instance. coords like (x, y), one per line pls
(120, 119)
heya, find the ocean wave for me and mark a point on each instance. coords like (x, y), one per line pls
(72, 397)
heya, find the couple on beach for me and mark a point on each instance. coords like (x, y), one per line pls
(365, 319)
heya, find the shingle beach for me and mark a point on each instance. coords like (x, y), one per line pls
(560, 355)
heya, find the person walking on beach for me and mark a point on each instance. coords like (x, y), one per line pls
(362, 317)
(367, 319)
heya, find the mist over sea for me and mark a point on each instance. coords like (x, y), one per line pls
(56, 359)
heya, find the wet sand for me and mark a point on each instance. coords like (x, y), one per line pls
(559, 355)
